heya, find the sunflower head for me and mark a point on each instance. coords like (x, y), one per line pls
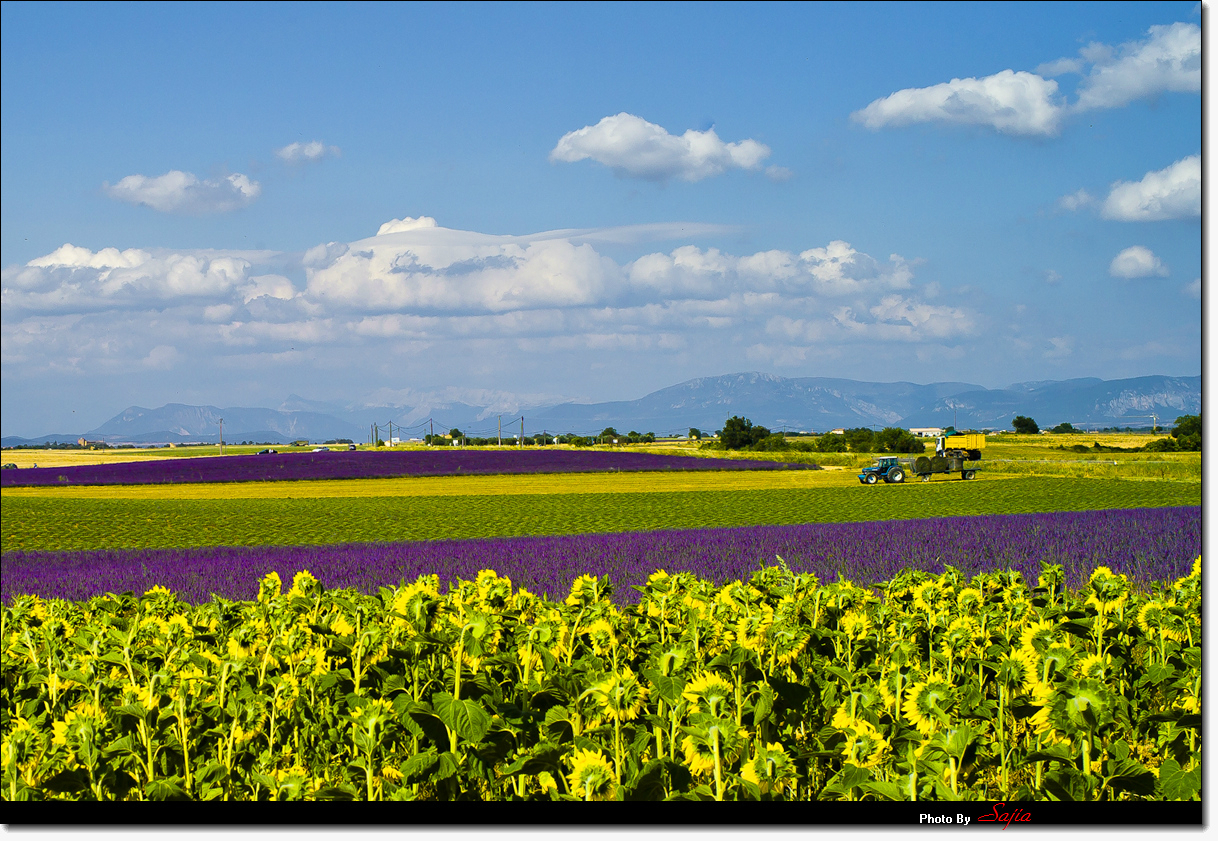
(620, 696)
(708, 693)
(927, 704)
(269, 587)
(771, 770)
(591, 776)
(865, 746)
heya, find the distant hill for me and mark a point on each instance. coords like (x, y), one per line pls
(177, 422)
(810, 404)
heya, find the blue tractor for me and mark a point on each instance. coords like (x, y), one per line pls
(888, 468)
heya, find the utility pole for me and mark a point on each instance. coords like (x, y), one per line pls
(522, 430)
(431, 424)
(221, 436)
(501, 430)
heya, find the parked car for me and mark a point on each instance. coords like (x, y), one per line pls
(267, 452)
(350, 446)
(321, 449)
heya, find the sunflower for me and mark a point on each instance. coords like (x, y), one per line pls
(771, 770)
(1093, 666)
(929, 596)
(304, 584)
(707, 692)
(1038, 636)
(603, 638)
(620, 696)
(586, 590)
(269, 587)
(591, 775)
(752, 628)
(927, 704)
(1017, 671)
(865, 746)
(854, 624)
(969, 601)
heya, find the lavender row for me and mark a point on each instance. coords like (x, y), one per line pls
(370, 464)
(1147, 544)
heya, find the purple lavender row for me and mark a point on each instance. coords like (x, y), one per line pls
(370, 464)
(1147, 544)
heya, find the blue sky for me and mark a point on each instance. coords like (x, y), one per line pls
(519, 204)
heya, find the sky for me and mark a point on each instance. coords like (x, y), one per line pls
(515, 205)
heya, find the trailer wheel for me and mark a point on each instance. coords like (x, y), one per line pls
(871, 479)
(968, 474)
(925, 477)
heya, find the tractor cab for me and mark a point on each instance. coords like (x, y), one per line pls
(887, 468)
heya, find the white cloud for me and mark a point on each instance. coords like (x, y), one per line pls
(75, 279)
(314, 150)
(1171, 193)
(183, 192)
(632, 146)
(1029, 104)
(1076, 200)
(396, 226)
(419, 294)
(1059, 347)
(1136, 261)
(1013, 103)
(1193, 290)
(1168, 60)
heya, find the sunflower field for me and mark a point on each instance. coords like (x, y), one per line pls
(779, 687)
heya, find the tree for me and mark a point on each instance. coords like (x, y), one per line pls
(895, 440)
(1063, 429)
(860, 440)
(739, 433)
(695, 433)
(607, 435)
(1187, 433)
(1025, 426)
(830, 443)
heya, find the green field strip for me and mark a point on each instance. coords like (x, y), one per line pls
(51, 524)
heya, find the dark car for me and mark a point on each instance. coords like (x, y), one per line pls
(267, 452)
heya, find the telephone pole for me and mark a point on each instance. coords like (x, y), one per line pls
(522, 430)
(501, 430)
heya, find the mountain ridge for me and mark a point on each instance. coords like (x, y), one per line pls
(809, 404)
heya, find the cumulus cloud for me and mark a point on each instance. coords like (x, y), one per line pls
(1013, 103)
(1029, 104)
(184, 192)
(1136, 261)
(1169, 59)
(1171, 193)
(314, 150)
(75, 279)
(633, 147)
(421, 294)
(1076, 200)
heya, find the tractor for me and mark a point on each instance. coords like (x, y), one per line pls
(952, 450)
(888, 468)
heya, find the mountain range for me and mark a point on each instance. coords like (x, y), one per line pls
(808, 404)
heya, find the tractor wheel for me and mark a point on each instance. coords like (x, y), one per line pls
(968, 474)
(871, 480)
(896, 475)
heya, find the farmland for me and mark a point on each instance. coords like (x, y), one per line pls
(509, 637)
(96, 518)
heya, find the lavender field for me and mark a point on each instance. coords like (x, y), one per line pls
(364, 464)
(1147, 544)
